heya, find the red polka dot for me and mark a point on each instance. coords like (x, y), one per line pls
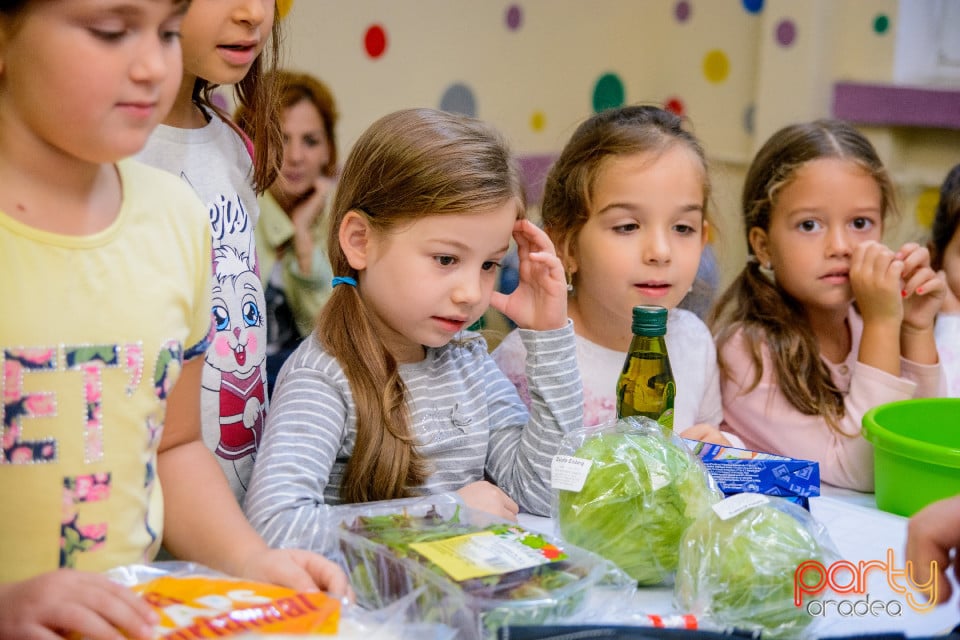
(375, 41)
(675, 106)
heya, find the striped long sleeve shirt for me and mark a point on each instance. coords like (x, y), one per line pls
(466, 416)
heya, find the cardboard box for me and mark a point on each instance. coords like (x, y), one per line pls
(741, 470)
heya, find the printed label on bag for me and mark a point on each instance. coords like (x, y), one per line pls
(489, 553)
(569, 473)
(737, 504)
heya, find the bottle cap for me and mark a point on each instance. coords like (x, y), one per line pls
(649, 320)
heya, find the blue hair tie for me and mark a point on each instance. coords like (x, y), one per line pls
(343, 280)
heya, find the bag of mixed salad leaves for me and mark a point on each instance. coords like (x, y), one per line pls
(474, 572)
(627, 490)
(739, 560)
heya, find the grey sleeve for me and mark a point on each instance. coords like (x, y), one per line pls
(522, 444)
(303, 433)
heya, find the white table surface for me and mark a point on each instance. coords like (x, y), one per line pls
(861, 532)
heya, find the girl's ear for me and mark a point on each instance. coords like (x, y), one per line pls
(566, 253)
(759, 244)
(355, 236)
(705, 235)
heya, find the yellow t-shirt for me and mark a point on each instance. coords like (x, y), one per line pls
(92, 338)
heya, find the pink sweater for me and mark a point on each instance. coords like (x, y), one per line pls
(768, 422)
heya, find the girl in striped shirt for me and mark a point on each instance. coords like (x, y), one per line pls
(391, 396)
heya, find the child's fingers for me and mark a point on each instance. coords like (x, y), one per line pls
(918, 258)
(546, 272)
(532, 236)
(327, 575)
(102, 607)
(498, 300)
(906, 250)
(924, 282)
(874, 265)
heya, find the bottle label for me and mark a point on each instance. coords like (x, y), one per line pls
(568, 473)
(666, 420)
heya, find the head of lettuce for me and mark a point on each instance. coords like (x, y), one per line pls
(642, 491)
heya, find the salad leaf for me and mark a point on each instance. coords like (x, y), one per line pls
(384, 568)
(642, 492)
(740, 571)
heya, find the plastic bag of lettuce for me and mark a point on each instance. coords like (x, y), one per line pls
(627, 490)
(738, 563)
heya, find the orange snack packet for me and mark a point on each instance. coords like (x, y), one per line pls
(206, 607)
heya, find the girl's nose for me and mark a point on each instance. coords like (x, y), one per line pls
(656, 248)
(254, 12)
(468, 291)
(838, 243)
(152, 64)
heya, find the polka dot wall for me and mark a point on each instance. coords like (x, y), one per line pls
(737, 69)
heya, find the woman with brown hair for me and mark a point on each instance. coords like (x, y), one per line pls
(289, 234)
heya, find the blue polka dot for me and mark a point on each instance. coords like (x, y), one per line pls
(748, 118)
(753, 6)
(458, 98)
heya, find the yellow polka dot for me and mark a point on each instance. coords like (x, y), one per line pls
(927, 206)
(538, 121)
(283, 7)
(716, 66)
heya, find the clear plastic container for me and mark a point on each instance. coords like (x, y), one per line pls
(465, 565)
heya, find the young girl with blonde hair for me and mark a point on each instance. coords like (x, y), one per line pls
(391, 397)
(626, 203)
(824, 322)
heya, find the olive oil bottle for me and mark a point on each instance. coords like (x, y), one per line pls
(646, 386)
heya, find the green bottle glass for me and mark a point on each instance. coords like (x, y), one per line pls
(646, 386)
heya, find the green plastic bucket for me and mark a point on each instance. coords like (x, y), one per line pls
(916, 452)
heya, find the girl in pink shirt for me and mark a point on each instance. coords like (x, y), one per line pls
(824, 322)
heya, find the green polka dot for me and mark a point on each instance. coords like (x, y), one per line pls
(881, 23)
(716, 66)
(608, 93)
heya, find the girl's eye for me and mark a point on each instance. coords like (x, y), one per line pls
(684, 229)
(490, 265)
(626, 228)
(809, 225)
(862, 224)
(169, 35)
(310, 141)
(445, 261)
(108, 35)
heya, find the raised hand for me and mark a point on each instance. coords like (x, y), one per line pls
(875, 278)
(306, 211)
(303, 216)
(540, 300)
(924, 289)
